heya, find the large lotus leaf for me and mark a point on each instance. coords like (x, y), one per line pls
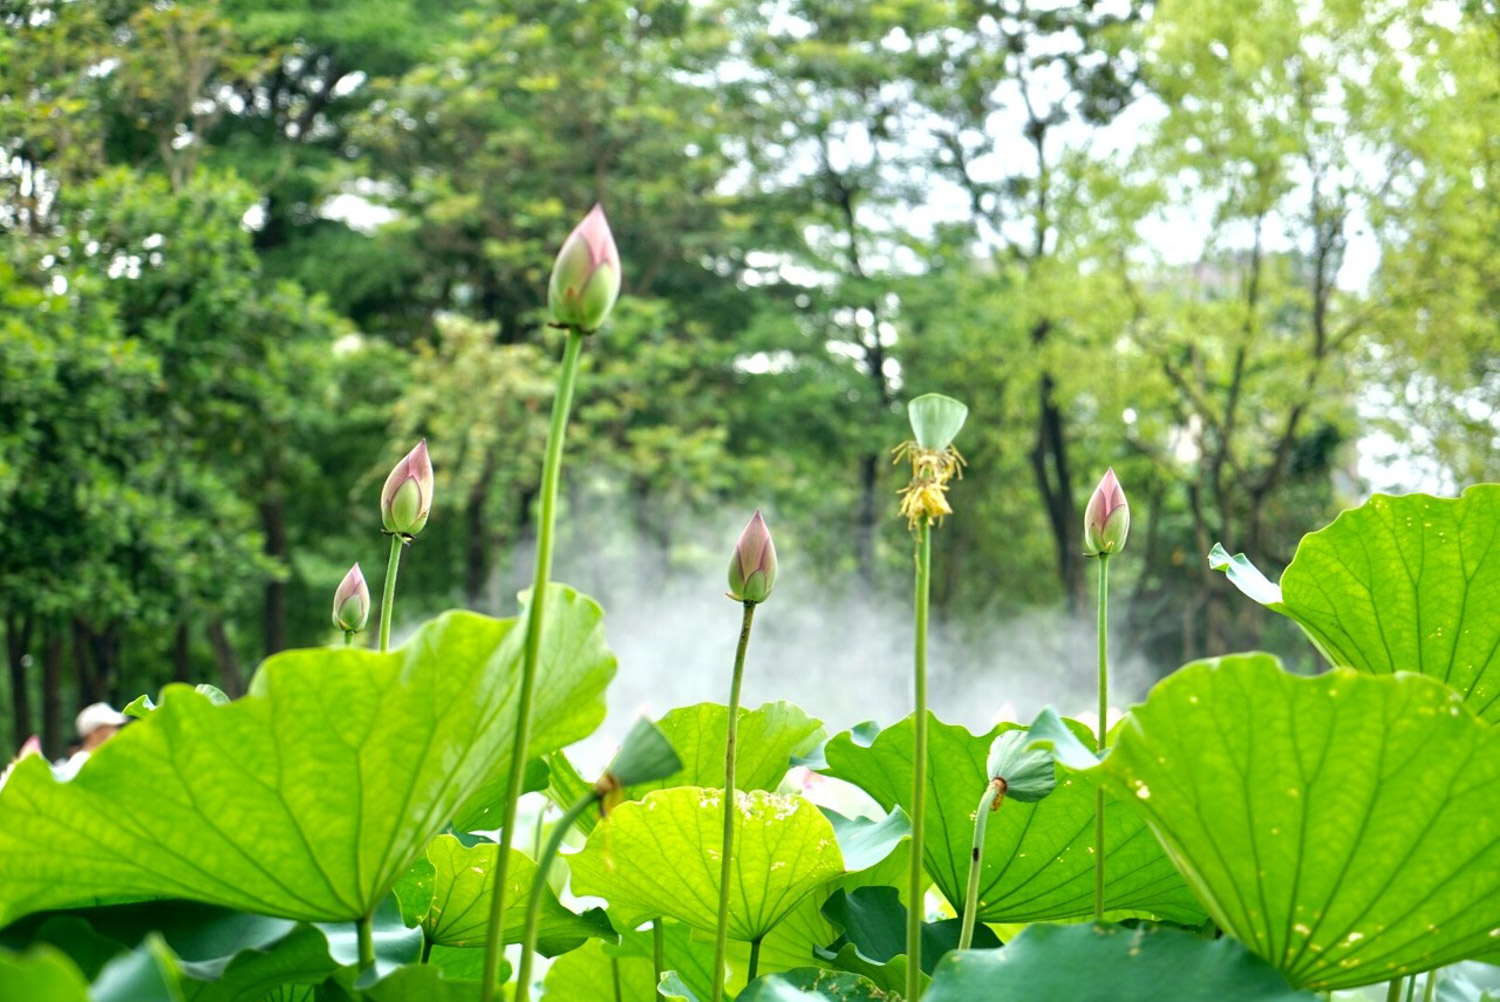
(768, 738)
(588, 973)
(450, 891)
(872, 941)
(1405, 583)
(1038, 858)
(40, 975)
(1345, 827)
(660, 856)
(1109, 963)
(307, 798)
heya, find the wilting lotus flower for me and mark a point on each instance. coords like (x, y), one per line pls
(752, 569)
(351, 602)
(1106, 520)
(406, 499)
(586, 277)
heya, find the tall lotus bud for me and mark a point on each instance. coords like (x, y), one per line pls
(351, 602)
(406, 499)
(1106, 520)
(586, 277)
(752, 569)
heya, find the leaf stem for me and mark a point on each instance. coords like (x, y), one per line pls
(658, 948)
(365, 929)
(914, 907)
(562, 402)
(1393, 991)
(976, 860)
(754, 960)
(539, 887)
(614, 970)
(1432, 980)
(388, 598)
(726, 851)
(348, 638)
(1103, 730)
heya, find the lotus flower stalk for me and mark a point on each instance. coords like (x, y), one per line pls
(1106, 524)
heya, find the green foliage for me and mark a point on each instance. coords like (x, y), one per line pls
(1337, 826)
(274, 805)
(659, 857)
(1109, 963)
(1402, 584)
(43, 974)
(1038, 858)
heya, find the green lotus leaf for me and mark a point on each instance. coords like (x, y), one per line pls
(1346, 827)
(872, 921)
(768, 739)
(660, 856)
(1109, 963)
(1405, 583)
(1038, 858)
(310, 796)
(146, 974)
(589, 973)
(41, 975)
(449, 894)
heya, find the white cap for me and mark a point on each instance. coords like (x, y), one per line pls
(97, 715)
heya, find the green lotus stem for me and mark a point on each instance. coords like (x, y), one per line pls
(1432, 979)
(365, 929)
(539, 887)
(388, 596)
(754, 960)
(658, 948)
(976, 861)
(726, 851)
(1103, 727)
(614, 970)
(919, 765)
(1393, 991)
(1411, 987)
(562, 402)
(348, 638)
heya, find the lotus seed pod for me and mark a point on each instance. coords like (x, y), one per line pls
(1028, 774)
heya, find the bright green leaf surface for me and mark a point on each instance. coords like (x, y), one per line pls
(310, 796)
(1091, 963)
(1344, 827)
(450, 891)
(1038, 858)
(1407, 583)
(768, 738)
(588, 973)
(660, 856)
(40, 975)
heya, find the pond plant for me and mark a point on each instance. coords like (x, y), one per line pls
(348, 829)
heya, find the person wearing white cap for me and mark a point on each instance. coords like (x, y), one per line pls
(96, 724)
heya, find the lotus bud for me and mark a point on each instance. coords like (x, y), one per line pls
(32, 746)
(1026, 774)
(406, 499)
(586, 277)
(752, 569)
(351, 602)
(1106, 520)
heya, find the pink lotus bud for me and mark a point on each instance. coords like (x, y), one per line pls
(351, 602)
(752, 570)
(586, 277)
(406, 498)
(32, 746)
(1106, 520)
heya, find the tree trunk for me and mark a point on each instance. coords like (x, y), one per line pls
(273, 521)
(1054, 481)
(54, 739)
(868, 522)
(230, 678)
(17, 647)
(479, 544)
(182, 666)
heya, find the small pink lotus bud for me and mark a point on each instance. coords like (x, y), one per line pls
(1106, 520)
(586, 277)
(32, 746)
(752, 569)
(406, 499)
(351, 602)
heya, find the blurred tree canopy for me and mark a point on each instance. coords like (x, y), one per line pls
(1242, 251)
